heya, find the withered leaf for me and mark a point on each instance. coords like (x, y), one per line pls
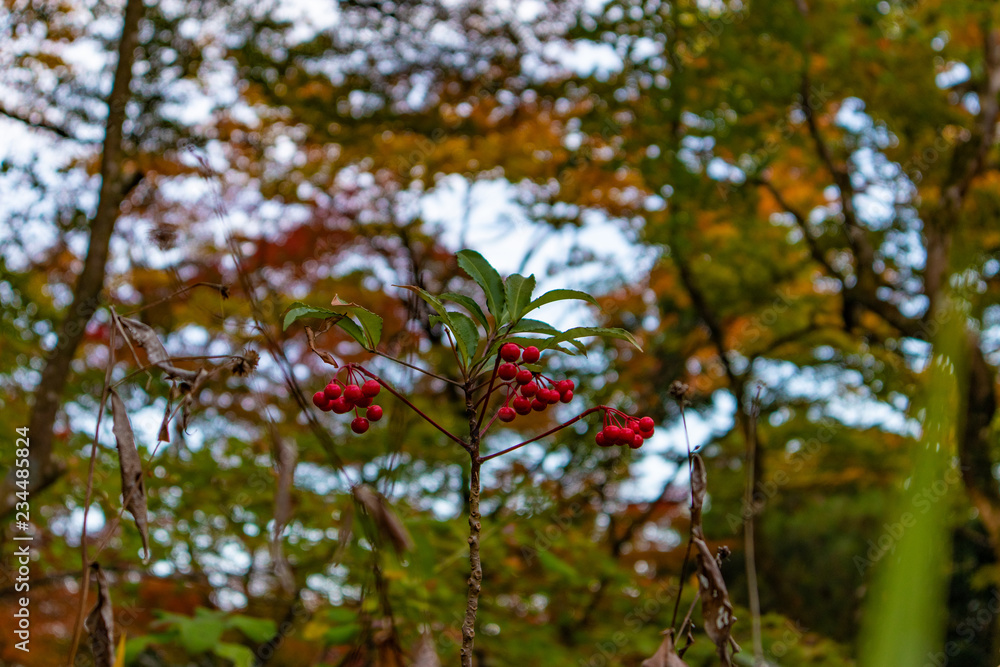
(133, 487)
(143, 335)
(322, 354)
(386, 521)
(666, 655)
(716, 607)
(100, 623)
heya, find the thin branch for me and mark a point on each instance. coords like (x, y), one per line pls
(748, 532)
(418, 369)
(410, 405)
(38, 124)
(547, 433)
(222, 289)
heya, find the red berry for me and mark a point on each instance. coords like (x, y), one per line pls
(359, 425)
(636, 441)
(538, 405)
(340, 405)
(566, 396)
(551, 396)
(364, 402)
(353, 393)
(510, 352)
(563, 386)
(600, 439)
(522, 406)
(374, 413)
(529, 390)
(332, 391)
(530, 354)
(507, 372)
(611, 434)
(646, 424)
(646, 434)
(319, 400)
(524, 376)
(570, 385)
(506, 414)
(625, 436)
(371, 388)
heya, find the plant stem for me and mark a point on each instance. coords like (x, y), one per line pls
(475, 526)
(542, 435)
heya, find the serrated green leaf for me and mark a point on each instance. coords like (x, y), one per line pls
(370, 322)
(469, 304)
(537, 326)
(487, 278)
(466, 334)
(239, 655)
(257, 629)
(591, 332)
(559, 295)
(517, 292)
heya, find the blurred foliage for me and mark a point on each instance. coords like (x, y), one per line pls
(309, 147)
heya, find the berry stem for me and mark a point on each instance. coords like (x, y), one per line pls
(489, 391)
(418, 369)
(542, 435)
(365, 371)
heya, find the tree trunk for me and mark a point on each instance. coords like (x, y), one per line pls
(87, 295)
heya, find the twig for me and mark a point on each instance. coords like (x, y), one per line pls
(748, 533)
(580, 416)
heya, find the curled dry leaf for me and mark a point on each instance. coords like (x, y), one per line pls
(100, 623)
(143, 335)
(386, 521)
(322, 354)
(133, 488)
(716, 608)
(666, 655)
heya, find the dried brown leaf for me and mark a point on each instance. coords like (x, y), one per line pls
(666, 655)
(133, 488)
(322, 354)
(143, 335)
(386, 521)
(716, 607)
(100, 623)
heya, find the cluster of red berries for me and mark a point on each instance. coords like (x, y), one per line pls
(342, 398)
(621, 429)
(528, 390)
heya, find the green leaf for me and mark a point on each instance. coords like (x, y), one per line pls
(487, 278)
(469, 304)
(368, 334)
(298, 310)
(200, 634)
(136, 645)
(239, 655)
(257, 629)
(556, 565)
(590, 332)
(342, 634)
(518, 291)
(559, 295)
(537, 326)
(466, 334)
